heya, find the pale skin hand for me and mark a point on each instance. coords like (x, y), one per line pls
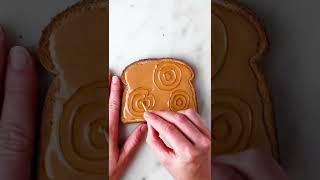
(190, 155)
(119, 158)
(248, 165)
(18, 98)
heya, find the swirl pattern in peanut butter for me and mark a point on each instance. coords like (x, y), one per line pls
(158, 84)
(167, 76)
(137, 99)
(179, 100)
(82, 126)
(232, 122)
(242, 116)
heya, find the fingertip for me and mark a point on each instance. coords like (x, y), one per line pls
(19, 58)
(147, 115)
(115, 80)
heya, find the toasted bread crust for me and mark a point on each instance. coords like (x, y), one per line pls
(46, 124)
(56, 22)
(155, 59)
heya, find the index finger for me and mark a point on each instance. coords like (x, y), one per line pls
(197, 121)
(176, 139)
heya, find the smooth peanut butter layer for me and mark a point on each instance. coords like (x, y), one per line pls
(74, 47)
(156, 84)
(242, 109)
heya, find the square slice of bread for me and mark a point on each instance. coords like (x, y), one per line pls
(242, 116)
(74, 48)
(157, 84)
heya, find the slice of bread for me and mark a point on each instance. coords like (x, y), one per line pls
(242, 116)
(156, 84)
(74, 48)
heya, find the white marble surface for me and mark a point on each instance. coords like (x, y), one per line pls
(161, 28)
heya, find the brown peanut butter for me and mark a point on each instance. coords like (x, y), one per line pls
(74, 47)
(242, 116)
(158, 84)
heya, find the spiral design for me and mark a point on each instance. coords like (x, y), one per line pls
(167, 76)
(232, 123)
(82, 130)
(179, 100)
(137, 98)
(220, 44)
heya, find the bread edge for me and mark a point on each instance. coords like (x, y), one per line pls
(44, 57)
(180, 61)
(43, 52)
(45, 131)
(256, 67)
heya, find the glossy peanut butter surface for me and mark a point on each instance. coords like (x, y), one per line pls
(75, 143)
(242, 112)
(157, 84)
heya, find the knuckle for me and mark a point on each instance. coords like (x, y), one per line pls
(205, 143)
(156, 118)
(179, 117)
(189, 155)
(170, 128)
(14, 140)
(114, 105)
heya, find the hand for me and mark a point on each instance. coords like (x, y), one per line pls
(189, 157)
(120, 158)
(248, 165)
(18, 98)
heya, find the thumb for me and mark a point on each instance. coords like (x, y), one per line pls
(17, 124)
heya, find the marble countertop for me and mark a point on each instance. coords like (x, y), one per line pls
(151, 29)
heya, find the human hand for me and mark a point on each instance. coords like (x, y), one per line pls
(18, 98)
(189, 157)
(248, 165)
(120, 158)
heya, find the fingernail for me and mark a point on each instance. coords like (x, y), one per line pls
(18, 57)
(115, 79)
